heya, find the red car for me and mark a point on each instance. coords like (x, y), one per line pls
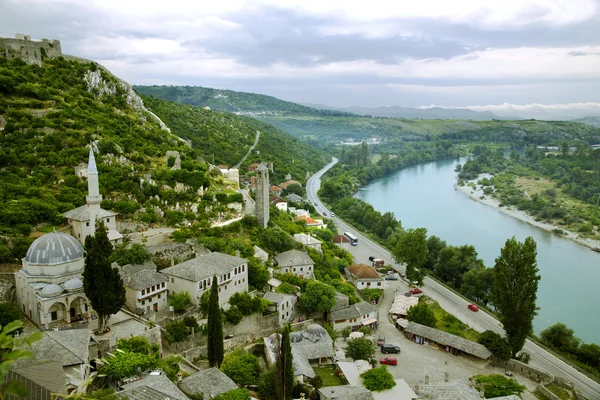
(389, 361)
(473, 307)
(416, 291)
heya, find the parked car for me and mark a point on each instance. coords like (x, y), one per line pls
(416, 291)
(333, 214)
(391, 278)
(371, 258)
(324, 214)
(473, 307)
(390, 348)
(407, 294)
(389, 361)
(381, 341)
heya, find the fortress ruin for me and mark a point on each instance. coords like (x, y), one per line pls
(30, 51)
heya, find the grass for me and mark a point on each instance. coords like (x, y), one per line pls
(449, 323)
(561, 392)
(327, 373)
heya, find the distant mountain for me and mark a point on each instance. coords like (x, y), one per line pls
(241, 103)
(590, 120)
(413, 113)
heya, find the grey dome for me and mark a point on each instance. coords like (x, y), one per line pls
(314, 332)
(73, 284)
(51, 289)
(54, 248)
(295, 337)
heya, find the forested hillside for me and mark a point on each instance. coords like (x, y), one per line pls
(231, 101)
(224, 138)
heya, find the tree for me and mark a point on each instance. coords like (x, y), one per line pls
(378, 379)
(123, 254)
(412, 249)
(123, 364)
(560, 338)
(422, 314)
(258, 276)
(10, 312)
(360, 349)
(498, 386)
(285, 368)
(514, 290)
(180, 301)
(275, 240)
(477, 284)
(496, 344)
(236, 394)
(134, 344)
(318, 297)
(454, 262)
(215, 327)
(102, 283)
(242, 367)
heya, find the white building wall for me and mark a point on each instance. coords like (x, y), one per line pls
(305, 271)
(370, 284)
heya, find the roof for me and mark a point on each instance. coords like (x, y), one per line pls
(288, 183)
(275, 188)
(54, 248)
(301, 365)
(449, 339)
(277, 298)
(141, 276)
(399, 392)
(294, 197)
(354, 311)
(152, 387)
(83, 213)
(402, 304)
(346, 392)
(364, 271)
(292, 258)
(456, 390)
(340, 239)
(260, 253)
(312, 346)
(204, 266)
(67, 347)
(92, 169)
(309, 221)
(40, 380)
(211, 382)
(274, 282)
(306, 239)
(341, 301)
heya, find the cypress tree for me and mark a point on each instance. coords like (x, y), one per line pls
(102, 284)
(215, 327)
(286, 369)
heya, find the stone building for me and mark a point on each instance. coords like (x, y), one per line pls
(145, 288)
(262, 195)
(364, 276)
(296, 262)
(50, 286)
(30, 51)
(83, 219)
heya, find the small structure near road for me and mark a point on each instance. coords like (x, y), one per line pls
(346, 392)
(451, 343)
(364, 276)
(401, 305)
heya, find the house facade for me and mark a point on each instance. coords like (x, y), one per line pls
(195, 276)
(296, 262)
(364, 276)
(283, 304)
(355, 316)
(308, 241)
(145, 289)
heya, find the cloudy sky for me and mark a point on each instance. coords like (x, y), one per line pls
(493, 54)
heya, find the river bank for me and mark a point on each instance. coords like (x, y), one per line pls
(478, 195)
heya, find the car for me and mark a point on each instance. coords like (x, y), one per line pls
(390, 348)
(407, 294)
(389, 361)
(381, 341)
(333, 214)
(416, 291)
(324, 213)
(391, 278)
(473, 307)
(371, 258)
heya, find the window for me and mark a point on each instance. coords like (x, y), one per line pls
(153, 288)
(53, 315)
(143, 292)
(229, 275)
(235, 271)
(378, 283)
(225, 287)
(159, 295)
(107, 219)
(301, 269)
(143, 302)
(243, 268)
(309, 268)
(172, 280)
(163, 284)
(87, 224)
(368, 283)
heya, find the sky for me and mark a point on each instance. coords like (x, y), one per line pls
(503, 56)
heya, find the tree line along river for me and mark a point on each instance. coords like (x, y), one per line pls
(424, 196)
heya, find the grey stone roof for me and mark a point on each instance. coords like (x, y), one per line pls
(67, 347)
(54, 248)
(306, 239)
(204, 266)
(313, 348)
(341, 301)
(301, 365)
(40, 380)
(92, 169)
(456, 390)
(211, 382)
(141, 276)
(151, 387)
(277, 298)
(293, 258)
(82, 213)
(345, 392)
(449, 339)
(354, 311)
(294, 198)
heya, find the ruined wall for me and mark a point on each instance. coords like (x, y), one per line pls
(30, 51)
(525, 370)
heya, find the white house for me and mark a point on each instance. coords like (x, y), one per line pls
(355, 316)
(308, 241)
(195, 276)
(282, 304)
(296, 262)
(145, 289)
(364, 276)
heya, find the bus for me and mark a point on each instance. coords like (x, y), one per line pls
(353, 239)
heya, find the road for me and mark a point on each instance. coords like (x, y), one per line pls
(249, 151)
(452, 302)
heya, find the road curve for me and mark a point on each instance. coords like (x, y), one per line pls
(452, 302)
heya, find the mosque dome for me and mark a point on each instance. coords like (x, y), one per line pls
(314, 332)
(50, 290)
(54, 248)
(73, 284)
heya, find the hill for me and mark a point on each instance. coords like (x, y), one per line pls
(242, 103)
(591, 120)
(427, 113)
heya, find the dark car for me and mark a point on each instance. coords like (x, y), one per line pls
(389, 361)
(407, 294)
(390, 348)
(371, 258)
(391, 278)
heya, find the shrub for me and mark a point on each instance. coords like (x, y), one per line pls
(177, 331)
(378, 379)
(180, 301)
(496, 344)
(233, 316)
(360, 349)
(498, 386)
(241, 367)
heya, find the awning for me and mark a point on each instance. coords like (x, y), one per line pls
(369, 321)
(402, 322)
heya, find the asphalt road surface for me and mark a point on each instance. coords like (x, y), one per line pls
(452, 302)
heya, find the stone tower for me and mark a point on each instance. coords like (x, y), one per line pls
(262, 195)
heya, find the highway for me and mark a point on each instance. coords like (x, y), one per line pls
(453, 303)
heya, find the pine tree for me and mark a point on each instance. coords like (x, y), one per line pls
(215, 327)
(284, 365)
(102, 284)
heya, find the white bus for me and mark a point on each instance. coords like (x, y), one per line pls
(353, 239)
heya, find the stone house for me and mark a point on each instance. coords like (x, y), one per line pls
(355, 316)
(211, 382)
(345, 392)
(294, 198)
(195, 276)
(283, 304)
(152, 387)
(308, 241)
(296, 262)
(364, 276)
(145, 288)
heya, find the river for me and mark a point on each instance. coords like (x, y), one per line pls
(424, 196)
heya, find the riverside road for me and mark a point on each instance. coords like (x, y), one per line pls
(452, 302)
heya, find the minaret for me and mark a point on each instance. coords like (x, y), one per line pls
(94, 198)
(262, 195)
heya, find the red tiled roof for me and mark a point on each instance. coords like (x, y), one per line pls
(340, 239)
(363, 271)
(309, 220)
(288, 183)
(275, 188)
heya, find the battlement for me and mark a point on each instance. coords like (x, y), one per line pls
(30, 51)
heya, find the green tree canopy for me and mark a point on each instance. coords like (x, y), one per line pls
(412, 249)
(378, 379)
(180, 301)
(498, 386)
(10, 312)
(514, 291)
(496, 344)
(242, 367)
(318, 297)
(422, 314)
(285, 366)
(258, 276)
(360, 349)
(560, 338)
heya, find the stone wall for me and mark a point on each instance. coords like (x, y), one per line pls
(525, 370)
(28, 50)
